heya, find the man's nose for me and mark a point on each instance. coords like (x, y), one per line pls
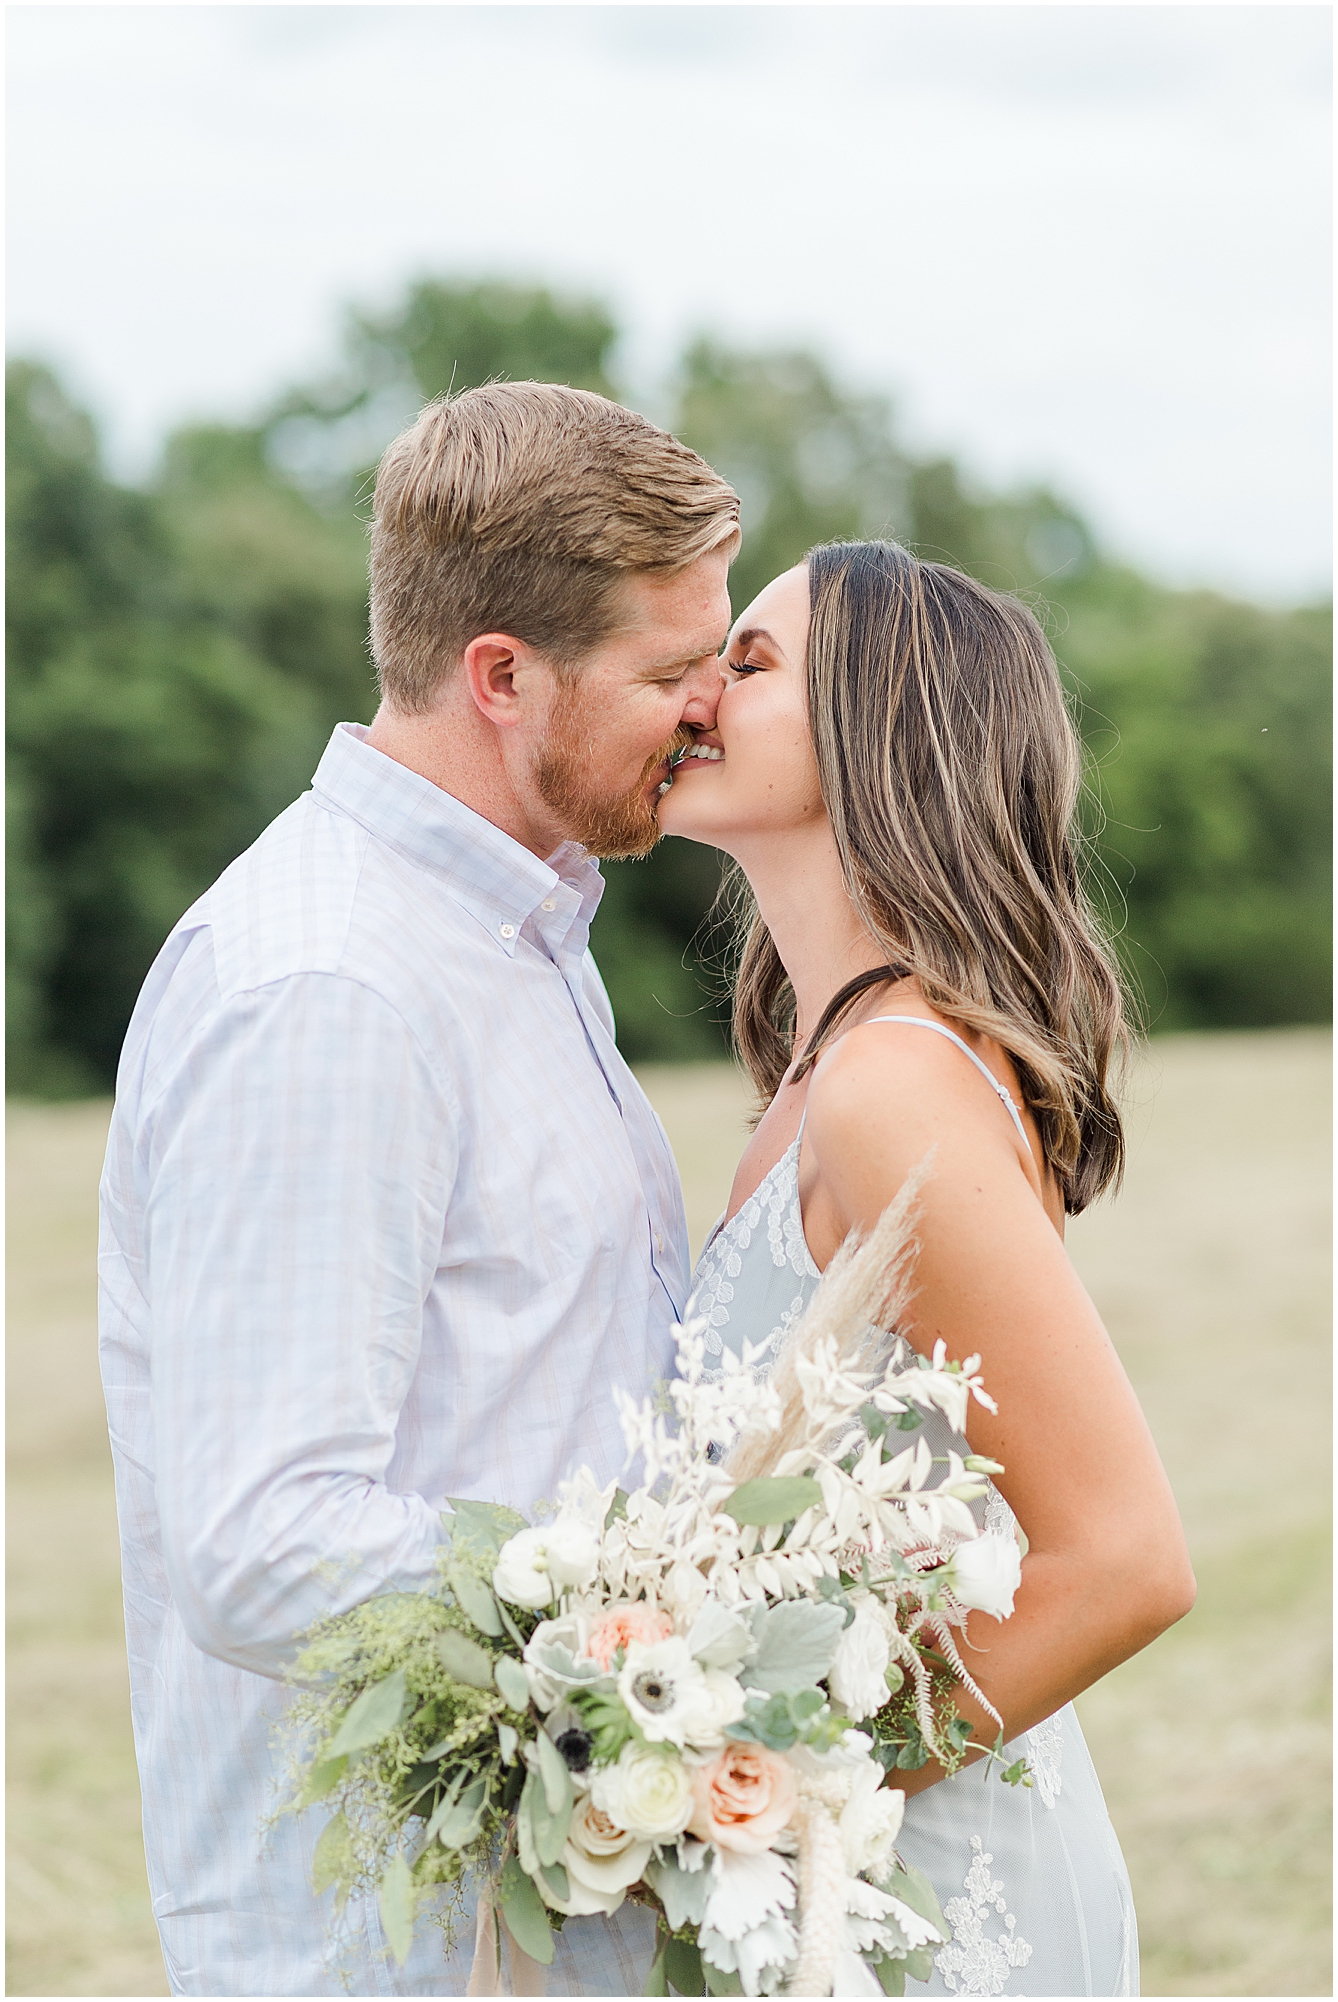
(706, 685)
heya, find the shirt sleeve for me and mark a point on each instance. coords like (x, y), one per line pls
(299, 1165)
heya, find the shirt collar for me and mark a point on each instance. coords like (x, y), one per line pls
(491, 876)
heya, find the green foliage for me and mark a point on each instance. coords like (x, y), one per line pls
(772, 1499)
(178, 656)
(397, 1903)
(783, 1720)
(524, 1914)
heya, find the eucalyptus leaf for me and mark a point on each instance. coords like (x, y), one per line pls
(443, 1808)
(555, 1775)
(475, 1600)
(914, 1889)
(510, 1679)
(718, 1982)
(481, 1527)
(371, 1716)
(396, 1904)
(891, 1976)
(324, 1775)
(657, 1981)
(772, 1498)
(557, 1880)
(333, 1861)
(464, 1659)
(796, 1646)
(525, 1846)
(458, 1828)
(549, 1825)
(683, 1965)
(508, 1743)
(523, 1913)
(919, 1965)
(509, 1625)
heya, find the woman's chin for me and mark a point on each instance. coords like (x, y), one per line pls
(681, 818)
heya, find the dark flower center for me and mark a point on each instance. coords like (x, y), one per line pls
(653, 1692)
(574, 1746)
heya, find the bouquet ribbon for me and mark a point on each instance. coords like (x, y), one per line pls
(524, 1975)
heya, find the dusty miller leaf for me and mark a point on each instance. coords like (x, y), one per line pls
(796, 1645)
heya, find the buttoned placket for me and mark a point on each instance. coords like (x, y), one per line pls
(568, 955)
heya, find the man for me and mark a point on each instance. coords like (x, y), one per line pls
(385, 1216)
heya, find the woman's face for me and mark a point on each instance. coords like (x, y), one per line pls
(753, 773)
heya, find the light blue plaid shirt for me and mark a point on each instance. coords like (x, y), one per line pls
(385, 1218)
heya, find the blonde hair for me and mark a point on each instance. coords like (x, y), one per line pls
(520, 507)
(951, 773)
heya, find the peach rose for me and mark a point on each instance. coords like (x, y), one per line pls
(623, 1625)
(743, 1798)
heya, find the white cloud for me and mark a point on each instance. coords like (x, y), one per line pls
(1081, 243)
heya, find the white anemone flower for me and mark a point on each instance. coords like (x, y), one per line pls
(673, 1699)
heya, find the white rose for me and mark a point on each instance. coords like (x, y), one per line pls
(573, 1551)
(985, 1573)
(647, 1792)
(723, 1704)
(600, 1859)
(856, 1678)
(520, 1575)
(870, 1821)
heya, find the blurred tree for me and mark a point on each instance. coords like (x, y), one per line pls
(444, 336)
(1208, 725)
(147, 743)
(177, 658)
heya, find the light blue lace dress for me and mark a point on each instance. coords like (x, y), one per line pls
(1031, 1879)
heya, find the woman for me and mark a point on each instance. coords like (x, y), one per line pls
(894, 770)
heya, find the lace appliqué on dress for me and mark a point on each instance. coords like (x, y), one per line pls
(973, 1963)
(775, 1203)
(1045, 1749)
(998, 1515)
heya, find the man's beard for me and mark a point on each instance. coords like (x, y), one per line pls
(566, 776)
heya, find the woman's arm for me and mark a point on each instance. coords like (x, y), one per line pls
(1106, 1569)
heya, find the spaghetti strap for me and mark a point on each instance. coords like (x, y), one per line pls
(923, 1022)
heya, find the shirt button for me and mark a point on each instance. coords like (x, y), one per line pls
(548, 904)
(659, 1242)
(507, 931)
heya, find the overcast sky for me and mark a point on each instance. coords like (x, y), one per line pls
(1083, 244)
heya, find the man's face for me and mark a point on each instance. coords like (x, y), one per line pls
(618, 718)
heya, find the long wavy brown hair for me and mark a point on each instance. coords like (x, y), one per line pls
(951, 773)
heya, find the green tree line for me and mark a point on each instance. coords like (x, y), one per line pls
(179, 653)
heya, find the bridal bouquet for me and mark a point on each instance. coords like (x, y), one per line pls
(655, 1695)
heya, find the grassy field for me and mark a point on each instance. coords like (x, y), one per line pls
(1212, 1274)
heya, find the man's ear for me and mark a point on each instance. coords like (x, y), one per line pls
(498, 669)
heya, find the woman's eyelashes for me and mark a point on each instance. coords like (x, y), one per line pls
(744, 666)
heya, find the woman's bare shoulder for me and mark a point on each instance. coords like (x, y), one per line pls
(903, 1067)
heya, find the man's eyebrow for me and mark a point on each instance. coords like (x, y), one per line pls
(706, 649)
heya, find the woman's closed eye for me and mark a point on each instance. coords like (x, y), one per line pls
(745, 666)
